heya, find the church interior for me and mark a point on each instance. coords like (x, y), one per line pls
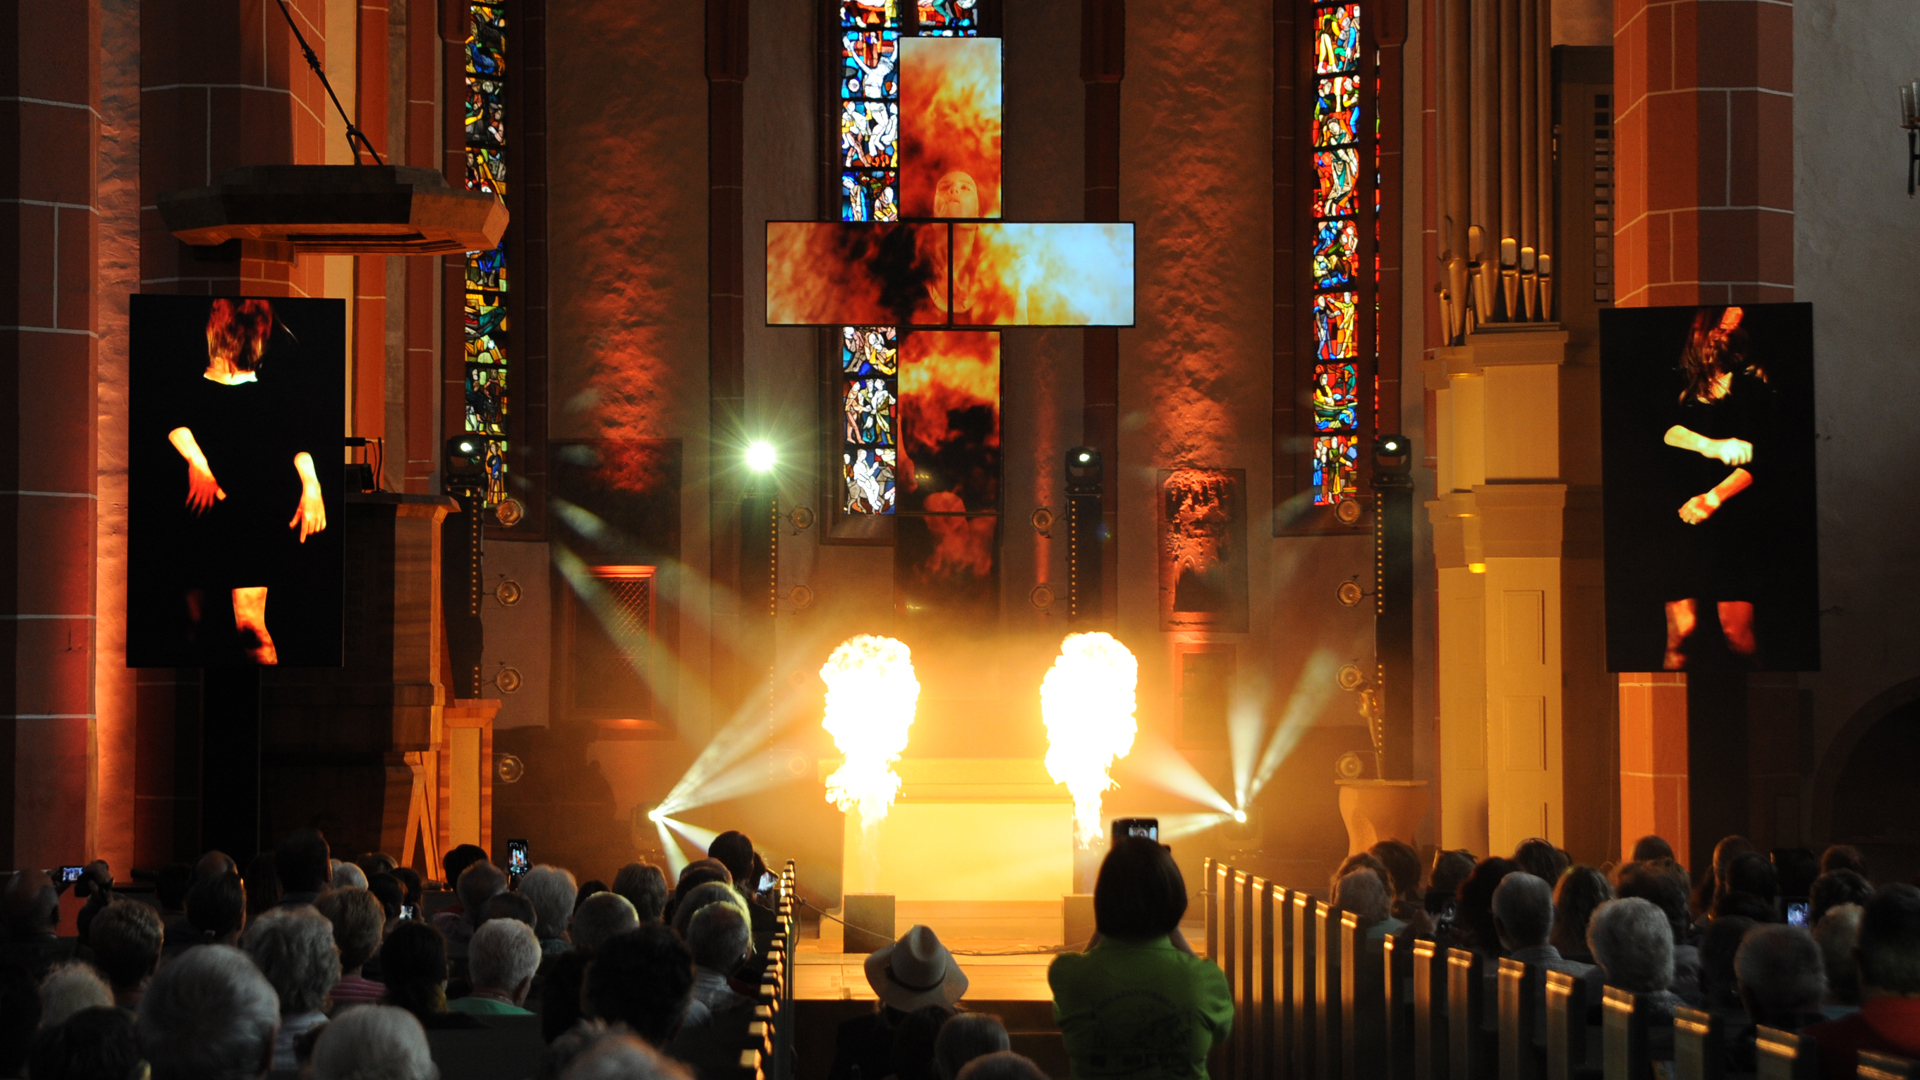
(947, 441)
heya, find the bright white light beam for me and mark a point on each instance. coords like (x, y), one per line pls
(700, 838)
(1087, 703)
(1158, 764)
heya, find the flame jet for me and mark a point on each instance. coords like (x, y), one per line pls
(1087, 703)
(871, 694)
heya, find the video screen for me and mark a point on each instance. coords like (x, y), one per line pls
(1707, 448)
(950, 127)
(234, 462)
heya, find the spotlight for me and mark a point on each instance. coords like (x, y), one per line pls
(654, 815)
(1393, 454)
(761, 456)
(466, 462)
(1240, 816)
(1084, 469)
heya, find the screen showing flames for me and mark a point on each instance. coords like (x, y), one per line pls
(932, 274)
(950, 127)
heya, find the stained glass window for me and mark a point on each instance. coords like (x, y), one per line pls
(869, 159)
(487, 329)
(1339, 128)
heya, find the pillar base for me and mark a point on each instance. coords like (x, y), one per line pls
(1377, 810)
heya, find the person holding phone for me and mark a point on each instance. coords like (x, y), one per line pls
(1139, 992)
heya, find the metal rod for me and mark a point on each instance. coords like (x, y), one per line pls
(313, 62)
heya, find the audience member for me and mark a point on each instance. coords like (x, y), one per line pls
(217, 910)
(1632, 941)
(1363, 860)
(1782, 982)
(348, 876)
(615, 1054)
(733, 850)
(1364, 893)
(701, 896)
(375, 862)
(695, 874)
(721, 940)
(170, 887)
(510, 905)
(1473, 917)
(209, 1015)
(1844, 857)
(455, 862)
(1664, 884)
(644, 979)
(358, 924)
(70, 987)
(262, 883)
(1403, 878)
(913, 1045)
(972, 1035)
(409, 879)
(1450, 870)
(1719, 981)
(1728, 849)
(1541, 859)
(31, 910)
(392, 896)
(92, 1044)
(413, 964)
(1005, 1065)
(1745, 905)
(1582, 889)
(1795, 869)
(1889, 961)
(552, 891)
(1838, 935)
(19, 1016)
(480, 882)
(375, 1042)
(96, 885)
(604, 915)
(1836, 887)
(913, 972)
(588, 888)
(304, 868)
(1649, 848)
(1752, 873)
(501, 960)
(1138, 980)
(1523, 919)
(127, 937)
(294, 949)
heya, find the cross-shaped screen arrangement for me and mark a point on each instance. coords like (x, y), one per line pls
(917, 273)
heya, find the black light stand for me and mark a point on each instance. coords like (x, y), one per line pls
(759, 592)
(461, 560)
(1393, 599)
(1085, 472)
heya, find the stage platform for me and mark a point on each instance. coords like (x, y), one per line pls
(1003, 946)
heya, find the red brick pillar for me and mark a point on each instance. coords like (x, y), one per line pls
(1704, 208)
(370, 271)
(49, 236)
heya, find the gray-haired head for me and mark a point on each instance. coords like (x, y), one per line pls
(1838, 934)
(478, 884)
(1633, 941)
(1523, 905)
(618, 1055)
(348, 876)
(373, 1042)
(1780, 972)
(1005, 1065)
(719, 938)
(965, 1037)
(69, 988)
(209, 1015)
(600, 917)
(502, 955)
(712, 892)
(1365, 894)
(552, 892)
(294, 949)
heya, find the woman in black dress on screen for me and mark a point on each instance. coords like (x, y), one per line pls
(246, 470)
(1720, 438)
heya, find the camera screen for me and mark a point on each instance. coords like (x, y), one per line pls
(71, 873)
(1797, 913)
(516, 857)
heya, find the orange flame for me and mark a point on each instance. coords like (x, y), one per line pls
(950, 123)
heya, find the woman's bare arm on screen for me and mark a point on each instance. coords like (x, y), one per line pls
(1734, 452)
(311, 517)
(202, 489)
(1702, 506)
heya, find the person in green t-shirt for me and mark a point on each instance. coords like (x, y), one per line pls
(1138, 1004)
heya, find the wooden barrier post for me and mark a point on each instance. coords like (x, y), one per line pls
(1306, 997)
(1244, 890)
(1326, 946)
(1522, 989)
(1623, 1034)
(1207, 895)
(1429, 1014)
(1886, 1067)
(1396, 1013)
(1362, 1003)
(1466, 1016)
(1699, 1053)
(1783, 1055)
(1567, 1009)
(1286, 993)
(1229, 964)
(1261, 1044)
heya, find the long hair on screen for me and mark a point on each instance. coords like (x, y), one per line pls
(237, 331)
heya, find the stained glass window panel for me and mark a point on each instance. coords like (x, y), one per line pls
(1336, 38)
(870, 65)
(1336, 468)
(869, 134)
(1335, 172)
(486, 112)
(869, 480)
(866, 351)
(486, 400)
(1336, 250)
(949, 18)
(1336, 111)
(488, 269)
(1336, 396)
(487, 40)
(487, 170)
(870, 196)
(1336, 325)
(869, 14)
(872, 412)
